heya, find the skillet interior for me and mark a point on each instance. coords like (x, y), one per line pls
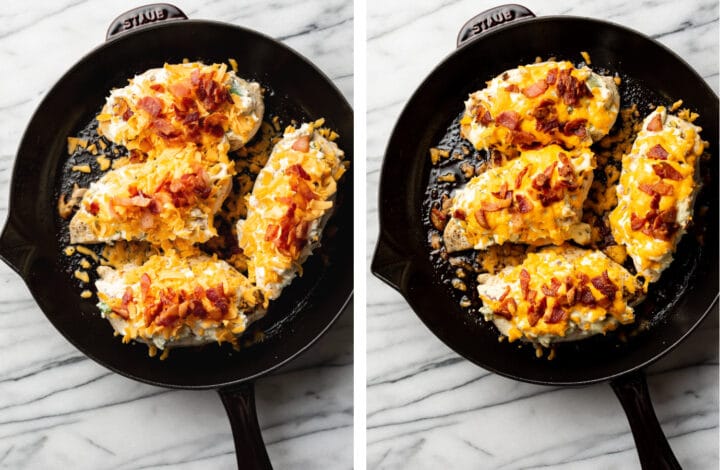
(304, 311)
(687, 289)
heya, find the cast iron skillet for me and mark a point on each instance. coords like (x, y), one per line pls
(30, 243)
(675, 307)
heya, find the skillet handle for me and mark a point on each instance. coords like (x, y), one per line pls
(143, 16)
(652, 445)
(492, 18)
(250, 449)
(388, 264)
(14, 248)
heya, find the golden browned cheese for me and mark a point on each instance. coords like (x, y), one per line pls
(657, 190)
(539, 104)
(559, 294)
(536, 199)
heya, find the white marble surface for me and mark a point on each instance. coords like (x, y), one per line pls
(428, 408)
(60, 410)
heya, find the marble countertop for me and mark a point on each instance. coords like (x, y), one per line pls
(61, 410)
(427, 407)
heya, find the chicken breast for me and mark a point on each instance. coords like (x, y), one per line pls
(559, 294)
(657, 189)
(539, 104)
(183, 103)
(536, 199)
(291, 201)
(172, 196)
(179, 298)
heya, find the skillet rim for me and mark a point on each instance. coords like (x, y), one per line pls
(389, 241)
(32, 244)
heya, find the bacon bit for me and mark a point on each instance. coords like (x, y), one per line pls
(505, 293)
(483, 116)
(127, 114)
(663, 189)
(164, 128)
(168, 317)
(127, 297)
(585, 296)
(605, 285)
(438, 219)
(570, 89)
(509, 119)
(272, 232)
(665, 170)
(552, 290)
(147, 221)
(525, 140)
(145, 283)
(546, 116)
(663, 225)
(583, 278)
(536, 89)
(567, 168)
(519, 177)
(655, 123)
(494, 206)
(481, 219)
(298, 170)
(551, 76)
(215, 124)
(657, 153)
(524, 282)
(571, 295)
(655, 202)
(524, 205)
(459, 214)
(302, 144)
(575, 127)
(93, 208)
(512, 88)
(151, 105)
(636, 223)
(511, 305)
(217, 296)
(531, 295)
(537, 312)
(157, 87)
(180, 89)
(502, 192)
(557, 315)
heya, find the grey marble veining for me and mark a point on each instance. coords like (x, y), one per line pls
(427, 407)
(61, 410)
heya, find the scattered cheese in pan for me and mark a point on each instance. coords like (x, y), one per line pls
(92, 148)
(233, 64)
(82, 168)
(86, 294)
(69, 250)
(676, 105)
(85, 264)
(104, 163)
(74, 143)
(82, 275)
(87, 251)
(586, 57)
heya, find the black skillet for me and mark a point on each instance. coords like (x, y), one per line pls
(31, 245)
(501, 39)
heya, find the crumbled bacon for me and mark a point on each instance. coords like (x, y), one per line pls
(655, 123)
(575, 127)
(570, 89)
(509, 119)
(210, 92)
(481, 219)
(298, 170)
(536, 89)
(552, 289)
(157, 87)
(519, 177)
(272, 232)
(523, 204)
(505, 293)
(604, 284)
(567, 169)
(664, 225)
(524, 140)
(501, 192)
(665, 170)
(93, 208)
(127, 114)
(551, 76)
(585, 296)
(655, 202)
(537, 311)
(151, 105)
(636, 223)
(164, 128)
(145, 283)
(524, 282)
(546, 117)
(483, 116)
(215, 124)
(302, 144)
(459, 214)
(217, 296)
(557, 315)
(512, 88)
(658, 153)
(180, 89)
(494, 206)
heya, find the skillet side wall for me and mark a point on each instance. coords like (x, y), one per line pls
(437, 102)
(306, 309)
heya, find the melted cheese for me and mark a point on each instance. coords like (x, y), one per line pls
(124, 121)
(179, 270)
(599, 111)
(115, 221)
(567, 265)
(269, 267)
(553, 223)
(683, 144)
